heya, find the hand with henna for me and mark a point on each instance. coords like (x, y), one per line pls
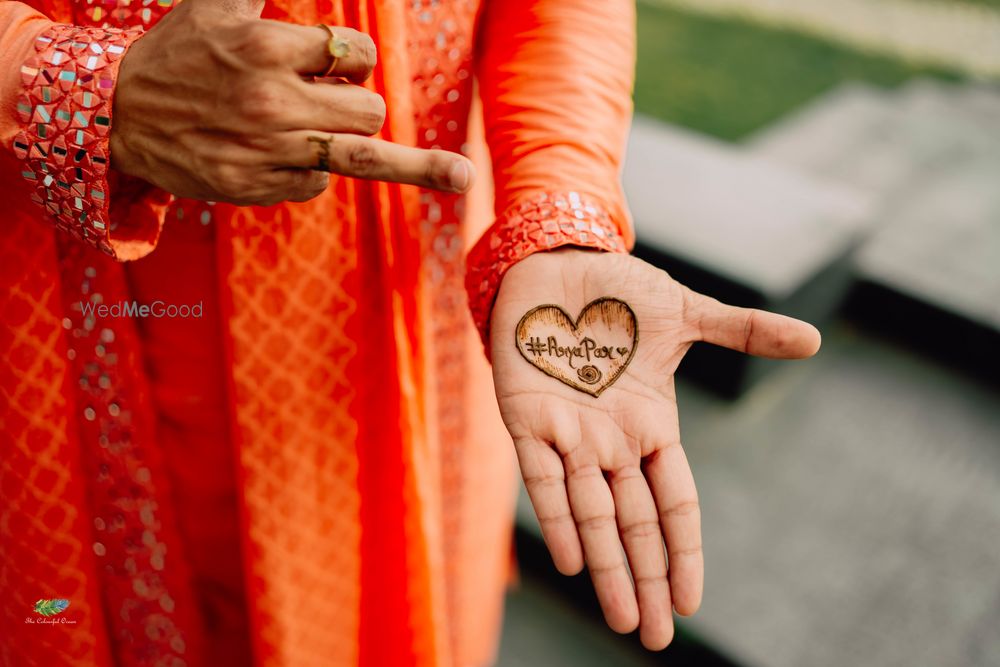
(607, 475)
(214, 103)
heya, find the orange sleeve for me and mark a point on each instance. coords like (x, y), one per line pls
(556, 83)
(19, 26)
(56, 96)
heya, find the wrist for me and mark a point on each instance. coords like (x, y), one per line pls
(545, 222)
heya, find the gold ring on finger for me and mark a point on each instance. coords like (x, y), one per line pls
(322, 151)
(336, 47)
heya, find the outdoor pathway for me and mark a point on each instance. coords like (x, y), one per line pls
(959, 35)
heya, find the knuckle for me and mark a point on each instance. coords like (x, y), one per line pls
(226, 181)
(748, 329)
(198, 22)
(255, 42)
(437, 170)
(550, 520)
(574, 458)
(369, 51)
(689, 309)
(605, 568)
(628, 473)
(267, 143)
(260, 101)
(596, 523)
(319, 182)
(366, 122)
(373, 117)
(304, 185)
(681, 510)
(364, 49)
(543, 482)
(361, 159)
(643, 529)
(685, 552)
(313, 185)
(582, 470)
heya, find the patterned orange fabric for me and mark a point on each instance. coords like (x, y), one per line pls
(314, 473)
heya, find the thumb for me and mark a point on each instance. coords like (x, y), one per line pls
(245, 8)
(751, 331)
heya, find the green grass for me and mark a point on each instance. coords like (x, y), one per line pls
(989, 3)
(728, 78)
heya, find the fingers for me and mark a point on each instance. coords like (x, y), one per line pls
(594, 510)
(327, 105)
(543, 474)
(374, 159)
(751, 331)
(305, 50)
(248, 8)
(676, 498)
(270, 187)
(297, 184)
(330, 106)
(639, 527)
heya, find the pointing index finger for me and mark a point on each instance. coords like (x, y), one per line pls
(375, 159)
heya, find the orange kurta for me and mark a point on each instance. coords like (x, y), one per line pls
(314, 471)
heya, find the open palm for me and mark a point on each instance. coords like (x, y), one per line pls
(608, 472)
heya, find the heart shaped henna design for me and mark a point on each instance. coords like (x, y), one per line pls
(588, 354)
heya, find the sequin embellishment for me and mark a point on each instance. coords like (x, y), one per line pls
(545, 222)
(66, 111)
(121, 13)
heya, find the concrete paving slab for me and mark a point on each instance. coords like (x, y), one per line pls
(885, 143)
(941, 243)
(844, 136)
(929, 155)
(542, 629)
(760, 224)
(741, 229)
(851, 512)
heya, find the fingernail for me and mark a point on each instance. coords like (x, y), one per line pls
(460, 176)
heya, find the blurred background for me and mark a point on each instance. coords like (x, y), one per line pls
(839, 161)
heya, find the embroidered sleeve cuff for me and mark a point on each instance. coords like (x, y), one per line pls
(545, 222)
(66, 114)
